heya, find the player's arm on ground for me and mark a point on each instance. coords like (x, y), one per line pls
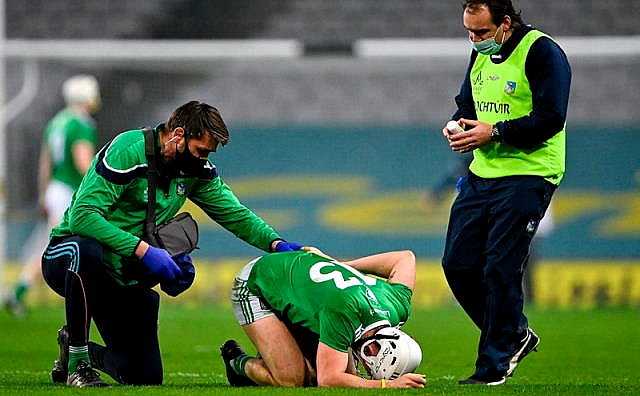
(396, 267)
(332, 367)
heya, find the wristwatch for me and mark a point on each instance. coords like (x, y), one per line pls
(495, 134)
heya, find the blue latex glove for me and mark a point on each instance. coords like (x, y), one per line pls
(284, 246)
(182, 282)
(161, 264)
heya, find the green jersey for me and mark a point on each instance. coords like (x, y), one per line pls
(110, 204)
(329, 298)
(62, 132)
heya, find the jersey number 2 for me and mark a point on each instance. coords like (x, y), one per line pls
(338, 277)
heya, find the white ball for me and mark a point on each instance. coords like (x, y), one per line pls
(454, 127)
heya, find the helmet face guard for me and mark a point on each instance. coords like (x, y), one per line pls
(388, 353)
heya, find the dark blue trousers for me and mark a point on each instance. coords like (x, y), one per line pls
(125, 316)
(491, 225)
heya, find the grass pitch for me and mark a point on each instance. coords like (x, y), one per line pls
(593, 352)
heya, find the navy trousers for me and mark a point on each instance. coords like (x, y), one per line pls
(491, 225)
(125, 316)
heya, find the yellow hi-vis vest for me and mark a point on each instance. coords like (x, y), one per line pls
(501, 92)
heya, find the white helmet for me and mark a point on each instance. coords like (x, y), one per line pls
(81, 89)
(388, 353)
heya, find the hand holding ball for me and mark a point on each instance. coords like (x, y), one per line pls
(454, 127)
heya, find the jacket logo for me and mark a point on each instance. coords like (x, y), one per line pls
(181, 188)
(478, 79)
(510, 87)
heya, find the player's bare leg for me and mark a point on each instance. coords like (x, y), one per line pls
(281, 362)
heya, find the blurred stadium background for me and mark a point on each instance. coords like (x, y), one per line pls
(335, 127)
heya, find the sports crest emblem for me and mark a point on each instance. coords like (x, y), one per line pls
(181, 188)
(510, 87)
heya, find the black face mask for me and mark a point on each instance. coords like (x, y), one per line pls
(187, 163)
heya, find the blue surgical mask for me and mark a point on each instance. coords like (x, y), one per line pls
(489, 46)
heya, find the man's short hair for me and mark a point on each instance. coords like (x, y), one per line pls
(498, 9)
(198, 118)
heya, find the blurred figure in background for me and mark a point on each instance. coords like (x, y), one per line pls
(67, 150)
(446, 184)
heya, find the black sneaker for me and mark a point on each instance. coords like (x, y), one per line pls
(529, 343)
(85, 377)
(231, 350)
(474, 380)
(60, 370)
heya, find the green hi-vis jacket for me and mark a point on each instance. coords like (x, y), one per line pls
(501, 92)
(110, 204)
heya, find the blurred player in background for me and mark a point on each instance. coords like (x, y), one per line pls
(67, 150)
(513, 104)
(305, 312)
(447, 182)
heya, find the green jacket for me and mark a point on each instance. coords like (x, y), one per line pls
(110, 204)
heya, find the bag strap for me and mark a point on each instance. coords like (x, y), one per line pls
(152, 176)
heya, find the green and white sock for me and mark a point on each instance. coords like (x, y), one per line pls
(238, 364)
(77, 353)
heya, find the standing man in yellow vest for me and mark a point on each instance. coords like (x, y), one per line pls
(512, 106)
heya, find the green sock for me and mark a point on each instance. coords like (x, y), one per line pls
(238, 364)
(76, 354)
(21, 289)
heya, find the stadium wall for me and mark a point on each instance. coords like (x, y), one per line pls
(296, 93)
(356, 190)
